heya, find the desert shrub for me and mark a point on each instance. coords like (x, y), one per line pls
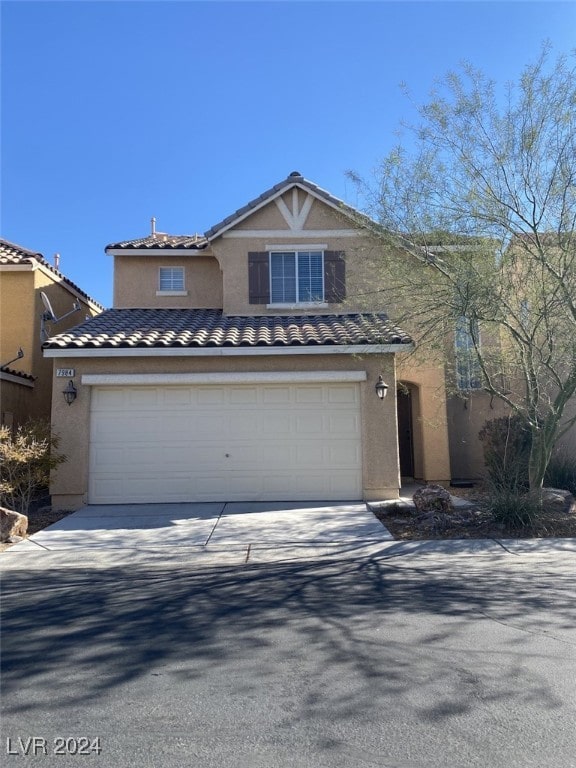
(506, 443)
(561, 473)
(516, 511)
(27, 457)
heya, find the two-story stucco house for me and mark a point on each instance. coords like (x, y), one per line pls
(239, 365)
(25, 374)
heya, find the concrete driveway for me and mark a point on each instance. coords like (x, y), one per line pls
(207, 533)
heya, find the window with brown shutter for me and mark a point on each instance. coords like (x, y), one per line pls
(258, 277)
(304, 285)
(334, 276)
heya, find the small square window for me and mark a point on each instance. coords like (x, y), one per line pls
(171, 279)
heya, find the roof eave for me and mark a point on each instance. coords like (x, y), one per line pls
(245, 351)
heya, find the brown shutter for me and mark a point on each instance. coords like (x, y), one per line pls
(258, 278)
(334, 276)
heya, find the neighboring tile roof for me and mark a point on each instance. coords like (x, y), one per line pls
(18, 374)
(161, 241)
(10, 253)
(133, 328)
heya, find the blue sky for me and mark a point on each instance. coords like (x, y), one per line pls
(113, 112)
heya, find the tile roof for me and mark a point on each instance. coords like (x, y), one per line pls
(161, 242)
(185, 328)
(10, 253)
(294, 178)
(18, 374)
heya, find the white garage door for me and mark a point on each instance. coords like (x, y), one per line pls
(225, 443)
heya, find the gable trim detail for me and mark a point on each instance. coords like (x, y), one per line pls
(308, 233)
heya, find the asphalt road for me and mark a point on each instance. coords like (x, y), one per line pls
(400, 661)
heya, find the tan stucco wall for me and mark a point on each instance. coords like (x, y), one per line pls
(429, 420)
(20, 311)
(379, 429)
(567, 443)
(268, 217)
(232, 253)
(466, 417)
(136, 282)
(17, 313)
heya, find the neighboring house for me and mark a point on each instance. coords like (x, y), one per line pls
(242, 364)
(26, 377)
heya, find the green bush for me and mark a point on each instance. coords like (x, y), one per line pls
(506, 443)
(561, 473)
(27, 457)
(517, 512)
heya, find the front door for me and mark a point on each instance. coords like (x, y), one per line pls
(405, 440)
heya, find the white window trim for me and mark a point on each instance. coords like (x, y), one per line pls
(179, 292)
(296, 304)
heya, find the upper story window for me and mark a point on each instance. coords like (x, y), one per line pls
(468, 373)
(311, 276)
(296, 277)
(171, 280)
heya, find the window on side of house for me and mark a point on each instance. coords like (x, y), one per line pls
(468, 373)
(170, 279)
(296, 277)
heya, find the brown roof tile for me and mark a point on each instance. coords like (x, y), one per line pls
(179, 328)
(10, 253)
(161, 242)
(18, 374)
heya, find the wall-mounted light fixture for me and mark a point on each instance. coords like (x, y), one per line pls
(70, 393)
(381, 388)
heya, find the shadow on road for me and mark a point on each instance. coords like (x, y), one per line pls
(391, 629)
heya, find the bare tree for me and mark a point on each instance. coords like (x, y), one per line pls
(483, 196)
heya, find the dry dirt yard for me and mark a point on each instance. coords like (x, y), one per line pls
(474, 522)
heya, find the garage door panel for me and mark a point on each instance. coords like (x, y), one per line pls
(243, 395)
(210, 395)
(240, 423)
(142, 397)
(343, 394)
(275, 424)
(108, 399)
(284, 442)
(343, 424)
(309, 423)
(177, 396)
(276, 395)
(309, 395)
(123, 428)
(344, 455)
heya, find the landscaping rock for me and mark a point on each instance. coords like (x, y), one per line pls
(433, 498)
(555, 498)
(12, 524)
